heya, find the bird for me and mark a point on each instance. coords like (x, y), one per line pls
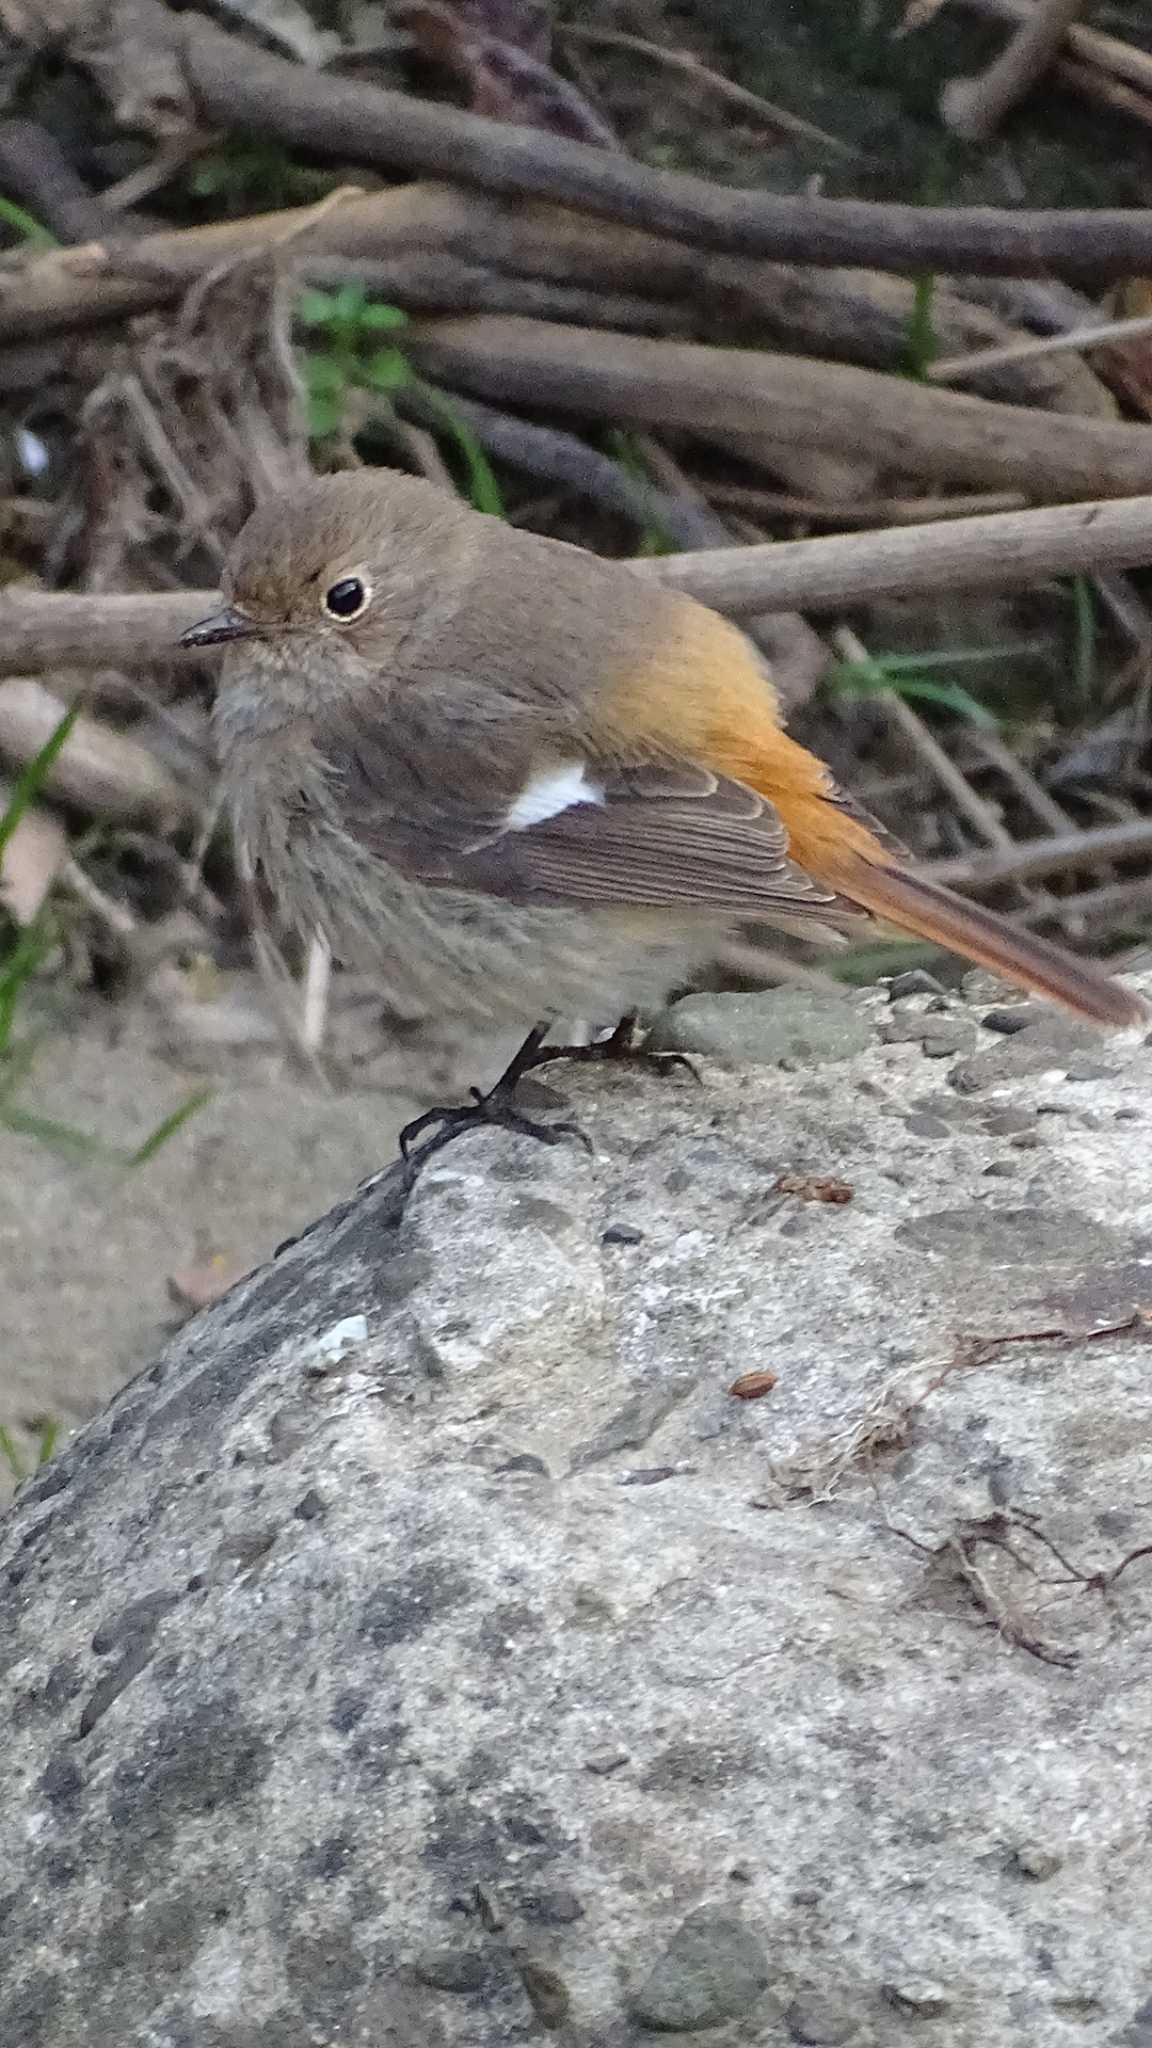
(524, 784)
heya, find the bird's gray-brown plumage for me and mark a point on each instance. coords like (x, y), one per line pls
(519, 781)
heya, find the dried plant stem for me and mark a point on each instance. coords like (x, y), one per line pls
(702, 74)
(955, 369)
(1020, 863)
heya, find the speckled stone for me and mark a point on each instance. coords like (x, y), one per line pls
(819, 2020)
(762, 1029)
(262, 1766)
(714, 1969)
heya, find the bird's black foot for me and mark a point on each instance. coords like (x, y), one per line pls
(621, 1048)
(493, 1109)
(497, 1107)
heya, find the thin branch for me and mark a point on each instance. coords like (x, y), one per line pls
(955, 369)
(714, 81)
(48, 629)
(239, 87)
(913, 429)
(1123, 60)
(1006, 548)
(1020, 863)
(974, 107)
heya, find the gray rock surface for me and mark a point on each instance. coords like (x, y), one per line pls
(431, 1652)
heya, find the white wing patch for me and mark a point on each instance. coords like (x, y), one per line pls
(551, 792)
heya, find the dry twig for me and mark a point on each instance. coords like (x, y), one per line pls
(958, 369)
(914, 429)
(106, 773)
(974, 107)
(699, 73)
(42, 630)
(238, 87)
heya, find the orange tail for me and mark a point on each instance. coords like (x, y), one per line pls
(933, 912)
(840, 846)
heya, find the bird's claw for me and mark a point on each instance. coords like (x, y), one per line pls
(495, 1110)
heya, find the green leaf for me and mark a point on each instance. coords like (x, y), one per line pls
(47, 1440)
(958, 657)
(324, 418)
(1084, 643)
(920, 349)
(11, 1455)
(324, 376)
(387, 371)
(379, 316)
(315, 309)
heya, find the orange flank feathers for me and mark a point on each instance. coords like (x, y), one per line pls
(701, 694)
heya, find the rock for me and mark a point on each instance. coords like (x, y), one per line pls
(940, 1035)
(450, 1969)
(1037, 1861)
(1138, 2032)
(428, 1651)
(917, 1998)
(761, 1029)
(820, 2021)
(714, 1969)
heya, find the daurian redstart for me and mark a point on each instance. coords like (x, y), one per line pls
(521, 782)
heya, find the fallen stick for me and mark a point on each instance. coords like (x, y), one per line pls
(842, 569)
(912, 429)
(974, 107)
(237, 87)
(104, 772)
(437, 248)
(1123, 60)
(1032, 857)
(952, 369)
(47, 629)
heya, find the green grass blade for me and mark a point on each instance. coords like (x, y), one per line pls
(11, 1456)
(1084, 671)
(32, 946)
(483, 490)
(47, 1440)
(32, 777)
(62, 1137)
(27, 226)
(168, 1127)
(920, 347)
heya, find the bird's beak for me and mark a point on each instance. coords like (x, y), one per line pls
(227, 624)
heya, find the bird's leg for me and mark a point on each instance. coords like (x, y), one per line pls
(495, 1106)
(619, 1046)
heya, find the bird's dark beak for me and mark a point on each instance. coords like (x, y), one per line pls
(227, 624)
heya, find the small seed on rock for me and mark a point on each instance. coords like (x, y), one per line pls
(752, 1386)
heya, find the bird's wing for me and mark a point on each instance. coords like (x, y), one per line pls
(572, 831)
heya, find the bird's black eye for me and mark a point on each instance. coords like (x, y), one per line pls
(346, 599)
